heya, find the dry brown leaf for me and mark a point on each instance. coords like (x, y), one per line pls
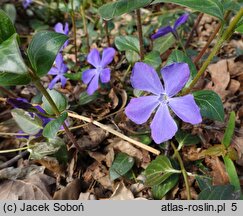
(33, 188)
(70, 192)
(121, 193)
(235, 67)
(218, 173)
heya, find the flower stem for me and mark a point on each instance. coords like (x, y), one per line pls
(226, 35)
(140, 34)
(107, 33)
(85, 26)
(74, 32)
(183, 170)
(40, 87)
(8, 92)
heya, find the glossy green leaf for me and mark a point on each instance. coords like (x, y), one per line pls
(42, 149)
(8, 79)
(11, 60)
(228, 134)
(162, 44)
(204, 182)
(6, 27)
(117, 8)
(43, 49)
(210, 104)
(239, 29)
(220, 192)
(85, 98)
(179, 56)
(159, 191)
(132, 56)
(59, 99)
(211, 7)
(230, 168)
(184, 138)
(51, 129)
(153, 59)
(10, 10)
(124, 43)
(27, 123)
(159, 170)
(121, 165)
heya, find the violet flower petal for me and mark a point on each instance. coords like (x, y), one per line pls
(105, 75)
(161, 32)
(26, 3)
(59, 61)
(94, 58)
(107, 56)
(163, 127)
(53, 71)
(181, 20)
(175, 77)
(59, 28)
(145, 78)
(186, 109)
(93, 85)
(88, 75)
(140, 109)
(53, 82)
(63, 80)
(66, 29)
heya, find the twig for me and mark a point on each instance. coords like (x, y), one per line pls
(110, 130)
(85, 26)
(74, 32)
(107, 33)
(6, 91)
(13, 134)
(193, 29)
(140, 34)
(14, 160)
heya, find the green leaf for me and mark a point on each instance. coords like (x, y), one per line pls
(211, 7)
(113, 9)
(10, 11)
(59, 99)
(162, 44)
(43, 49)
(153, 59)
(6, 27)
(220, 192)
(239, 29)
(124, 43)
(51, 129)
(210, 104)
(204, 182)
(184, 138)
(132, 56)
(42, 149)
(8, 79)
(27, 123)
(228, 134)
(230, 168)
(85, 98)
(159, 170)
(11, 60)
(159, 191)
(179, 56)
(121, 165)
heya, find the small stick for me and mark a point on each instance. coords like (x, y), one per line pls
(85, 26)
(109, 129)
(107, 33)
(6, 91)
(140, 33)
(193, 29)
(14, 160)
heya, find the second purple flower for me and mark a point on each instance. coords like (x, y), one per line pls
(100, 71)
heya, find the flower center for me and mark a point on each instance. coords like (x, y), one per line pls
(99, 68)
(163, 98)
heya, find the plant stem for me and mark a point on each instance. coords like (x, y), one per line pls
(74, 32)
(183, 170)
(6, 91)
(199, 56)
(226, 35)
(85, 26)
(40, 87)
(140, 34)
(193, 29)
(107, 33)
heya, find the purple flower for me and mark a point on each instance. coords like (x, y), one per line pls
(59, 70)
(167, 29)
(91, 76)
(26, 3)
(63, 30)
(175, 76)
